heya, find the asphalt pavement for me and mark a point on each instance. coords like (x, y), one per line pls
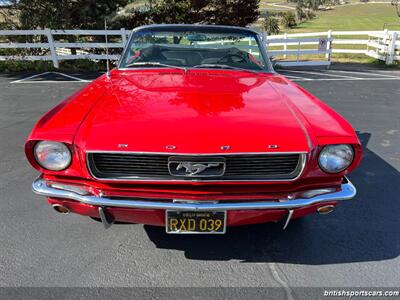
(358, 245)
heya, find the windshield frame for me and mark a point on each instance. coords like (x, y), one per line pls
(204, 28)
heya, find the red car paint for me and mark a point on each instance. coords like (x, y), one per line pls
(198, 111)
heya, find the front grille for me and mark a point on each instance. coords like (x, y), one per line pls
(135, 166)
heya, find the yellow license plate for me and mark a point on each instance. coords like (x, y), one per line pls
(213, 222)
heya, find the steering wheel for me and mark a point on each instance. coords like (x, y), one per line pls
(229, 58)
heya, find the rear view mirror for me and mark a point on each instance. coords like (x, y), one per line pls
(196, 37)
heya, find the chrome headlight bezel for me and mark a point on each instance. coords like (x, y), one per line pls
(52, 156)
(335, 158)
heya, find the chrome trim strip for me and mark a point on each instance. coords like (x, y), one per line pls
(40, 187)
(104, 218)
(288, 218)
(302, 163)
(261, 45)
(157, 68)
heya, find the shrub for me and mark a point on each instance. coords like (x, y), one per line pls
(288, 20)
(22, 66)
(310, 14)
(79, 65)
(45, 66)
(271, 25)
(300, 13)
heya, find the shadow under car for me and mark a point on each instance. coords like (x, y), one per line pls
(363, 229)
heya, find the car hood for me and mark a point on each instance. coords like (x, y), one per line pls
(198, 111)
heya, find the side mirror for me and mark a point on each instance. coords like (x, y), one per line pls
(276, 64)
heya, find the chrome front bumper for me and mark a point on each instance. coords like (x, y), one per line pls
(347, 192)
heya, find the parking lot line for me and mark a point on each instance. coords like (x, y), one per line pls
(70, 76)
(322, 73)
(315, 75)
(364, 73)
(362, 237)
(296, 77)
(28, 79)
(53, 81)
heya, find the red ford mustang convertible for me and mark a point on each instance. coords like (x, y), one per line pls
(193, 131)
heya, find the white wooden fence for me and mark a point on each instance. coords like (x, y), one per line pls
(383, 45)
(60, 50)
(301, 49)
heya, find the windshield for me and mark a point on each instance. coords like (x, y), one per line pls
(194, 48)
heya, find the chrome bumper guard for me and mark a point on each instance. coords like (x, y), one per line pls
(347, 192)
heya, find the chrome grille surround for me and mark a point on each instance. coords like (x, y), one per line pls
(161, 172)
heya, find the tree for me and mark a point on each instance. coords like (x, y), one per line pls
(63, 14)
(300, 13)
(223, 12)
(311, 4)
(131, 18)
(60, 14)
(271, 25)
(89, 14)
(8, 15)
(288, 20)
(178, 11)
(396, 4)
(233, 12)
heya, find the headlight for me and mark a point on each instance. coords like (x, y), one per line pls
(52, 156)
(336, 158)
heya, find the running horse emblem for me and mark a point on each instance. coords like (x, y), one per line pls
(195, 168)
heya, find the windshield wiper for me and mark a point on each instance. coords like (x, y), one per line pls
(221, 66)
(153, 64)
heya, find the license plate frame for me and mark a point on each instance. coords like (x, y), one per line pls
(221, 215)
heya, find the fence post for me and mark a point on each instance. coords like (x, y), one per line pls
(298, 51)
(391, 50)
(285, 45)
(329, 46)
(123, 35)
(53, 52)
(251, 52)
(386, 34)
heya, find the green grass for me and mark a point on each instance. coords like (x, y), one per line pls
(353, 17)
